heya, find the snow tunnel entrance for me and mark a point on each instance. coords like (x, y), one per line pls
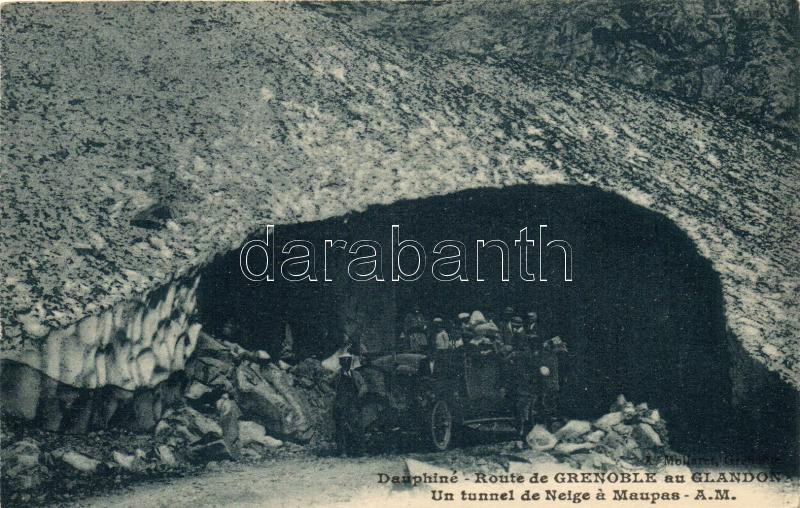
(643, 314)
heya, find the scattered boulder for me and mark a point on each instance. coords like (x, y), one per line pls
(270, 399)
(189, 425)
(207, 452)
(568, 448)
(653, 417)
(209, 347)
(618, 404)
(235, 349)
(596, 436)
(161, 427)
(165, 455)
(208, 370)
(623, 429)
(573, 429)
(21, 463)
(612, 440)
(127, 462)
(607, 421)
(200, 424)
(539, 438)
(260, 355)
(196, 391)
(80, 462)
(647, 437)
(631, 449)
(25, 452)
(252, 432)
(628, 411)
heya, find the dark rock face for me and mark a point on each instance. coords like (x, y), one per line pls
(57, 439)
(741, 55)
(269, 399)
(283, 402)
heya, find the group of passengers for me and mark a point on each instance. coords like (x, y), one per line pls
(471, 330)
(531, 376)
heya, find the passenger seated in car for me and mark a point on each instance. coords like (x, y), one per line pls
(463, 321)
(415, 331)
(441, 339)
(478, 343)
(466, 337)
(483, 344)
(518, 338)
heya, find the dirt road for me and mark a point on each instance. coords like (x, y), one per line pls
(310, 481)
(300, 482)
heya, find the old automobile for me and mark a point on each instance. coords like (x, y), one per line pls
(432, 396)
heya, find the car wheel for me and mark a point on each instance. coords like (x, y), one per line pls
(440, 425)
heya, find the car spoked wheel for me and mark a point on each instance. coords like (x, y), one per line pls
(441, 425)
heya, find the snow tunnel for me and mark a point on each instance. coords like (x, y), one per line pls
(642, 314)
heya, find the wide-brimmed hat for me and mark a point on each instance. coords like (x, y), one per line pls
(516, 320)
(476, 318)
(463, 316)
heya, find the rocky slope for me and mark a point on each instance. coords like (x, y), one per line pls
(742, 56)
(231, 403)
(227, 407)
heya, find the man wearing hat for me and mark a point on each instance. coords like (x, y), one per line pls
(517, 328)
(463, 320)
(522, 378)
(552, 350)
(460, 330)
(483, 333)
(441, 339)
(505, 326)
(532, 326)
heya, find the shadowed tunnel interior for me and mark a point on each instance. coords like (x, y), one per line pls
(642, 316)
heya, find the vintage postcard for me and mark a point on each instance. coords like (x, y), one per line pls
(400, 254)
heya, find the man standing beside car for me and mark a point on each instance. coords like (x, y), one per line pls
(523, 380)
(552, 350)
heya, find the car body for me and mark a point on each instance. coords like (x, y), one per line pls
(434, 395)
